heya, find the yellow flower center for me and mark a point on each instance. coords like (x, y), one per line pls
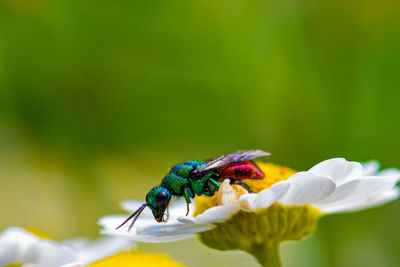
(135, 258)
(273, 174)
(260, 232)
(37, 232)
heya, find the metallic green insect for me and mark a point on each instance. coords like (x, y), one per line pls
(194, 177)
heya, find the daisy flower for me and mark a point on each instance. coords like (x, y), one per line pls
(284, 205)
(172, 230)
(31, 248)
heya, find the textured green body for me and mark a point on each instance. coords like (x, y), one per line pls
(179, 178)
(194, 177)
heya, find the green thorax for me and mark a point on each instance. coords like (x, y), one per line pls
(179, 177)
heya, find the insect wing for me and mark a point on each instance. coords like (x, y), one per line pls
(231, 158)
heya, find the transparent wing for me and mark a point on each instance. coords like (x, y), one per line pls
(230, 158)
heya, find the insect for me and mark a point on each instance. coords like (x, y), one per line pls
(194, 177)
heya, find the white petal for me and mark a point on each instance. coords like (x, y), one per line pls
(364, 203)
(8, 253)
(264, 198)
(133, 205)
(11, 240)
(113, 221)
(381, 199)
(142, 224)
(271, 195)
(48, 253)
(179, 208)
(145, 238)
(307, 188)
(216, 214)
(246, 202)
(370, 168)
(347, 195)
(343, 191)
(390, 173)
(103, 248)
(338, 169)
(77, 243)
(74, 264)
(25, 247)
(174, 229)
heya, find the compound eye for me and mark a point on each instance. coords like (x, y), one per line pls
(162, 200)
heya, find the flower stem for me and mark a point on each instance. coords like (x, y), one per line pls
(267, 254)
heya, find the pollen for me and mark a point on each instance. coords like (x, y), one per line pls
(135, 258)
(273, 174)
(228, 194)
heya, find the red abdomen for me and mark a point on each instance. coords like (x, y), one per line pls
(241, 170)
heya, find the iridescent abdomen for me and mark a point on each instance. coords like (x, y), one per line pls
(241, 170)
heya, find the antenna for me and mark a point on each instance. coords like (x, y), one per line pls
(135, 215)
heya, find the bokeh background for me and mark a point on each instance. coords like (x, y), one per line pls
(98, 99)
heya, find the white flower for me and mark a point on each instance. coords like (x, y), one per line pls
(171, 230)
(18, 245)
(334, 185)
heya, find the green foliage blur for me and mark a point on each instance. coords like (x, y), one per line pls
(99, 98)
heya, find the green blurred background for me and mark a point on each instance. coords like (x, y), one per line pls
(99, 98)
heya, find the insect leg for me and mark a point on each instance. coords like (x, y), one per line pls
(215, 183)
(210, 187)
(186, 194)
(246, 186)
(167, 214)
